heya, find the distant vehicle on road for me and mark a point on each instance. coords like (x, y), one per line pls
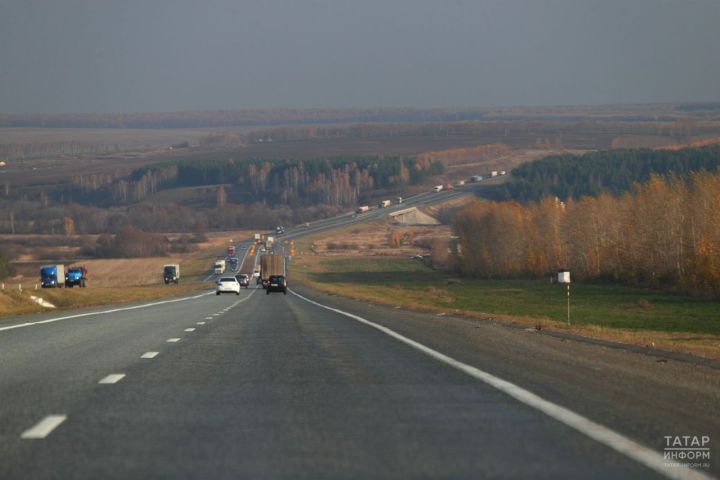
(384, 203)
(219, 267)
(399, 200)
(171, 273)
(76, 275)
(363, 209)
(243, 279)
(280, 230)
(437, 188)
(277, 283)
(271, 265)
(227, 285)
(52, 276)
(232, 263)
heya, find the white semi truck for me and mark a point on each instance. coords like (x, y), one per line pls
(219, 267)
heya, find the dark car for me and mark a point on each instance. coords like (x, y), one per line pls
(244, 279)
(277, 283)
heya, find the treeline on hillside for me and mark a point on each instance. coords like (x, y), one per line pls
(297, 183)
(132, 242)
(31, 150)
(575, 133)
(30, 217)
(614, 171)
(665, 233)
(228, 118)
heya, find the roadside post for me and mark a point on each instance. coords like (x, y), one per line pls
(564, 277)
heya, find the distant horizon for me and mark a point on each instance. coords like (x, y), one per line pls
(713, 102)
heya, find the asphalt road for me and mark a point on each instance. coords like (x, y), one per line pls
(350, 218)
(273, 386)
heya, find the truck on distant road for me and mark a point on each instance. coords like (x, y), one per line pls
(52, 276)
(76, 275)
(219, 267)
(171, 273)
(231, 251)
(271, 265)
(437, 188)
(232, 263)
(362, 209)
(384, 204)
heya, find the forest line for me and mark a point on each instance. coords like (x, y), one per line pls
(663, 233)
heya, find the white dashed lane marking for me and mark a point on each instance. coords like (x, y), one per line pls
(112, 378)
(201, 323)
(173, 340)
(44, 427)
(191, 329)
(149, 355)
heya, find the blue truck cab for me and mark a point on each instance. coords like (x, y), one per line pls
(52, 276)
(76, 276)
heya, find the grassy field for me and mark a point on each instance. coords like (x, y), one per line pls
(116, 281)
(14, 302)
(607, 311)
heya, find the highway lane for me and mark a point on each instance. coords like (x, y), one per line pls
(270, 387)
(419, 200)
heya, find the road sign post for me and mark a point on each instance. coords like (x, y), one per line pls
(564, 277)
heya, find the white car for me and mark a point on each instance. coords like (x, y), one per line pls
(227, 285)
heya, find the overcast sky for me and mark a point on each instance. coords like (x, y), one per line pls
(170, 55)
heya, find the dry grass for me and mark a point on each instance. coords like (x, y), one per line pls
(14, 302)
(306, 269)
(113, 281)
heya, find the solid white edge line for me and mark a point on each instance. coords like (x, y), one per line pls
(44, 427)
(604, 435)
(103, 312)
(112, 378)
(149, 355)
